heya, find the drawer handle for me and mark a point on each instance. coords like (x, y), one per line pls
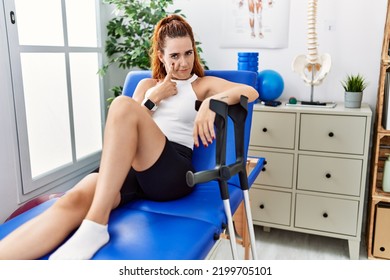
(261, 206)
(328, 175)
(325, 215)
(331, 134)
(265, 129)
(264, 169)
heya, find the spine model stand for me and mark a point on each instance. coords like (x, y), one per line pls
(312, 68)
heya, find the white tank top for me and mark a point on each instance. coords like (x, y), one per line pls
(175, 115)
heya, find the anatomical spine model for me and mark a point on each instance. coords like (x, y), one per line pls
(312, 67)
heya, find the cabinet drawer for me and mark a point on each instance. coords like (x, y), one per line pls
(275, 130)
(326, 214)
(278, 171)
(339, 134)
(330, 175)
(270, 206)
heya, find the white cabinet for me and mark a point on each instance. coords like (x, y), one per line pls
(315, 175)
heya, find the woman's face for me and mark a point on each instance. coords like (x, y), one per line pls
(178, 51)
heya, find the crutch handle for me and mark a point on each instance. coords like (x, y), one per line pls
(220, 173)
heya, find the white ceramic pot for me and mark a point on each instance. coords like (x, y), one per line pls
(353, 99)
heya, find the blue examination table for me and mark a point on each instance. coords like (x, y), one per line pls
(183, 229)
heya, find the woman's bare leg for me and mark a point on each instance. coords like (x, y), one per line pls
(131, 139)
(128, 125)
(42, 234)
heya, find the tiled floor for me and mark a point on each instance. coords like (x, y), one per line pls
(287, 245)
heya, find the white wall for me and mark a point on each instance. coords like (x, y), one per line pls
(354, 43)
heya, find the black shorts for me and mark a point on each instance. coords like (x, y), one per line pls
(165, 180)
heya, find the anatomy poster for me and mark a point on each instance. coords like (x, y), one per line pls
(255, 24)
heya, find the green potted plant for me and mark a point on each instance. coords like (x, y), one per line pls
(354, 86)
(129, 32)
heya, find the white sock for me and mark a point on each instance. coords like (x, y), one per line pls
(84, 243)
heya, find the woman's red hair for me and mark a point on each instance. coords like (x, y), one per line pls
(172, 26)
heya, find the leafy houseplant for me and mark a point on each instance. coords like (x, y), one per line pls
(129, 33)
(354, 85)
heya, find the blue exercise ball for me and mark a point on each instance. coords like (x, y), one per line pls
(270, 85)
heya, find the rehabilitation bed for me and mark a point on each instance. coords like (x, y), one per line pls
(182, 229)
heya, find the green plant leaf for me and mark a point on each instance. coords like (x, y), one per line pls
(354, 83)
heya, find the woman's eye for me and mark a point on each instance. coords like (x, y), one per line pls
(174, 56)
(189, 53)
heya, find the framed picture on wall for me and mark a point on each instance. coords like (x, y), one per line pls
(255, 24)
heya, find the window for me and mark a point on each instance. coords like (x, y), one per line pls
(55, 53)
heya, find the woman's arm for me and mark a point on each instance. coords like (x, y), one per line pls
(218, 89)
(226, 91)
(142, 87)
(161, 89)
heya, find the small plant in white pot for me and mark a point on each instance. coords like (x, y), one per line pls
(354, 86)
